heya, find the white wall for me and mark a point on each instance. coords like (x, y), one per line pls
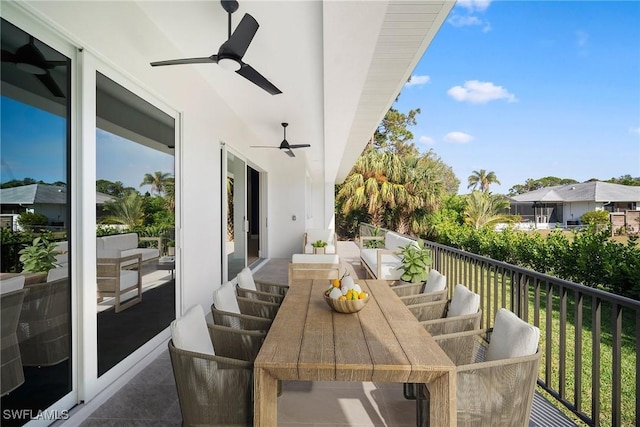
(578, 209)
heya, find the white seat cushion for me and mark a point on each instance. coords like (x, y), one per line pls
(11, 284)
(224, 298)
(128, 279)
(512, 337)
(463, 302)
(190, 332)
(315, 259)
(245, 279)
(435, 282)
(327, 235)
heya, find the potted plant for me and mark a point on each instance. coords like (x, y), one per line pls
(416, 260)
(39, 257)
(318, 246)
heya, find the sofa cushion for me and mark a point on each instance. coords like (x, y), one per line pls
(147, 253)
(128, 279)
(325, 234)
(435, 282)
(315, 258)
(190, 332)
(57, 273)
(224, 298)
(512, 337)
(245, 279)
(394, 241)
(390, 264)
(463, 302)
(120, 241)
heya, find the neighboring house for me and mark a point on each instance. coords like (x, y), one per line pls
(565, 204)
(49, 200)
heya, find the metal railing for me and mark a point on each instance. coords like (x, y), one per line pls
(590, 338)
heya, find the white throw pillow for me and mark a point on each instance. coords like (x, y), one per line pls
(245, 279)
(224, 298)
(435, 282)
(512, 337)
(463, 302)
(190, 332)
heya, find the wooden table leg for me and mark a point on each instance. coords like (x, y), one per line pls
(265, 399)
(442, 397)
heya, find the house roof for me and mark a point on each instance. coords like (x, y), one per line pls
(592, 191)
(41, 194)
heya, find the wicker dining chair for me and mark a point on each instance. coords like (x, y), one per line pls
(434, 289)
(11, 296)
(248, 287)
(226, 310)
(213, 370)
(496, 373)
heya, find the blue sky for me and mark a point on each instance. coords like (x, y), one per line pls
(532, 89)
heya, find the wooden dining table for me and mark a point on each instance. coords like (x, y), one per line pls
(383, 342)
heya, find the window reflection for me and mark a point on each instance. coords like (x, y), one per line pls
(136, 221)
(35, 221)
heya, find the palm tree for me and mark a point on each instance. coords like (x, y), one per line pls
(484, 209)
(482, 179)
(375, 183)
(158, 181)
(127, 210)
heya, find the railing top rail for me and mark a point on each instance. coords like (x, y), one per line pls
(583, 289)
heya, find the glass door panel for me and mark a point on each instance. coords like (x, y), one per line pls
(35, 212)
(237, 223)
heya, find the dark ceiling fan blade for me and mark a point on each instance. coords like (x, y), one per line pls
(50, 84)
(241, 38)
(206, 60)
(290, 153)
(299, 145)
(249, 73)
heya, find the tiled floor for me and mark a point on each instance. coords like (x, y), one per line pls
(150, 398)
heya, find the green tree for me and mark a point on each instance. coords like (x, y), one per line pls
(116, 189)
(393, 133)
(625, 180)
(535, 184)
(485, 209)
(157, 181)
(127, 210)
(482, 179)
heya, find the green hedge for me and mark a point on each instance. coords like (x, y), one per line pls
(590, 258)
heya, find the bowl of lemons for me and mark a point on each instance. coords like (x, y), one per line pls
(344, 296)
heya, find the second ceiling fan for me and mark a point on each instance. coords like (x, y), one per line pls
(284, 145)
(230, 53)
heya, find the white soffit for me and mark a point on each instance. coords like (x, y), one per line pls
(407, 29)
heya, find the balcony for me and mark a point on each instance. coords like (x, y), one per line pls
(150, 396)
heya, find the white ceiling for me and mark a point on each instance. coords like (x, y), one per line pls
(339, 64)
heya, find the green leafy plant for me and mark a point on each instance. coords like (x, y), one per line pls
(31, 219)
(375, 243)
(39, 256)
(319, 244)
(595, 217)
(415, 262)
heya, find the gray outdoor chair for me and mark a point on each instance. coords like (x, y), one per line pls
(496, 373)
(461, 313)
(213, 370)
(226, 310)
(11, 296)
(248, 287)
(434, 289)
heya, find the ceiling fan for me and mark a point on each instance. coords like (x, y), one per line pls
(284, 145)
(30, 59)
(230, 53)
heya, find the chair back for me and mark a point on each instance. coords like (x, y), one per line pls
(463, 302)
(245, 279)
(435, 282)
(190, 332)
(11, 296)
(225, 298)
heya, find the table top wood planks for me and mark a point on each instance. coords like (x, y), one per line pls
(383, 342)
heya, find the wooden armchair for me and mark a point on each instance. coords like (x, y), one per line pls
(213, 369)
(114, 280)
(496, 373)
(434, 289)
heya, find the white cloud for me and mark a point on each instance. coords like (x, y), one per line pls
(426, 140)
(458, 137)
(464, 21)
(477, 92)
(635, 130)
(418, 81)
(474, 5)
